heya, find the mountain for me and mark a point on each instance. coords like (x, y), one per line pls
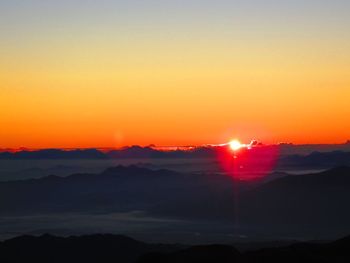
(305, 149)
(92, 248)
(104, 248)
(200, 254)
(117, 189)
(333, 252)
(316, 160)
(273, 156)
(312, 203)
(133, 152)
(337, 251)
(149, 152)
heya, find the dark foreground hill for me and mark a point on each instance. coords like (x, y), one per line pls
(334, 252)
(93, 248)
(114, 248)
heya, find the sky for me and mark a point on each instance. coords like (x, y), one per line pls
(103, 73)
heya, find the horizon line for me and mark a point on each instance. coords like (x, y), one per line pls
(23, 148)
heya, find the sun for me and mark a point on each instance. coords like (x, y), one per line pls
(235, 145)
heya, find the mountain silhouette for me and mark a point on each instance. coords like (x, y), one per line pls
(335, 252)
(301, 203)
(91, 248)
(316, 160)
(132, 152)
(284, 160)
(114, 190)
(196, 254)
(312, 205)
(103, 248)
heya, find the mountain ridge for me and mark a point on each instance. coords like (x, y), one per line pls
(105, 248)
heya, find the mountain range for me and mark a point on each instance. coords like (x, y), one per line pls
(312, 204)
(281, 157)
(105, 248)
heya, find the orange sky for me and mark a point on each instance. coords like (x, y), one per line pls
(155, 80)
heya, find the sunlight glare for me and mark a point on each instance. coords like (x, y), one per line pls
(235, 145)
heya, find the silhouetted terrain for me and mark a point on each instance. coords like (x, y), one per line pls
(148, 152)
(305, 149)
(284, 156)
(313, 205)
(196, 254)
(337, 251)
(115, 248)
(93, 248)
(116, 189)
(123, 153)
(316, 160)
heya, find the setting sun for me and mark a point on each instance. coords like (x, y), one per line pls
(235, 145)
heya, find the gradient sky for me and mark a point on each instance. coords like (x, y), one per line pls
(83, 73)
